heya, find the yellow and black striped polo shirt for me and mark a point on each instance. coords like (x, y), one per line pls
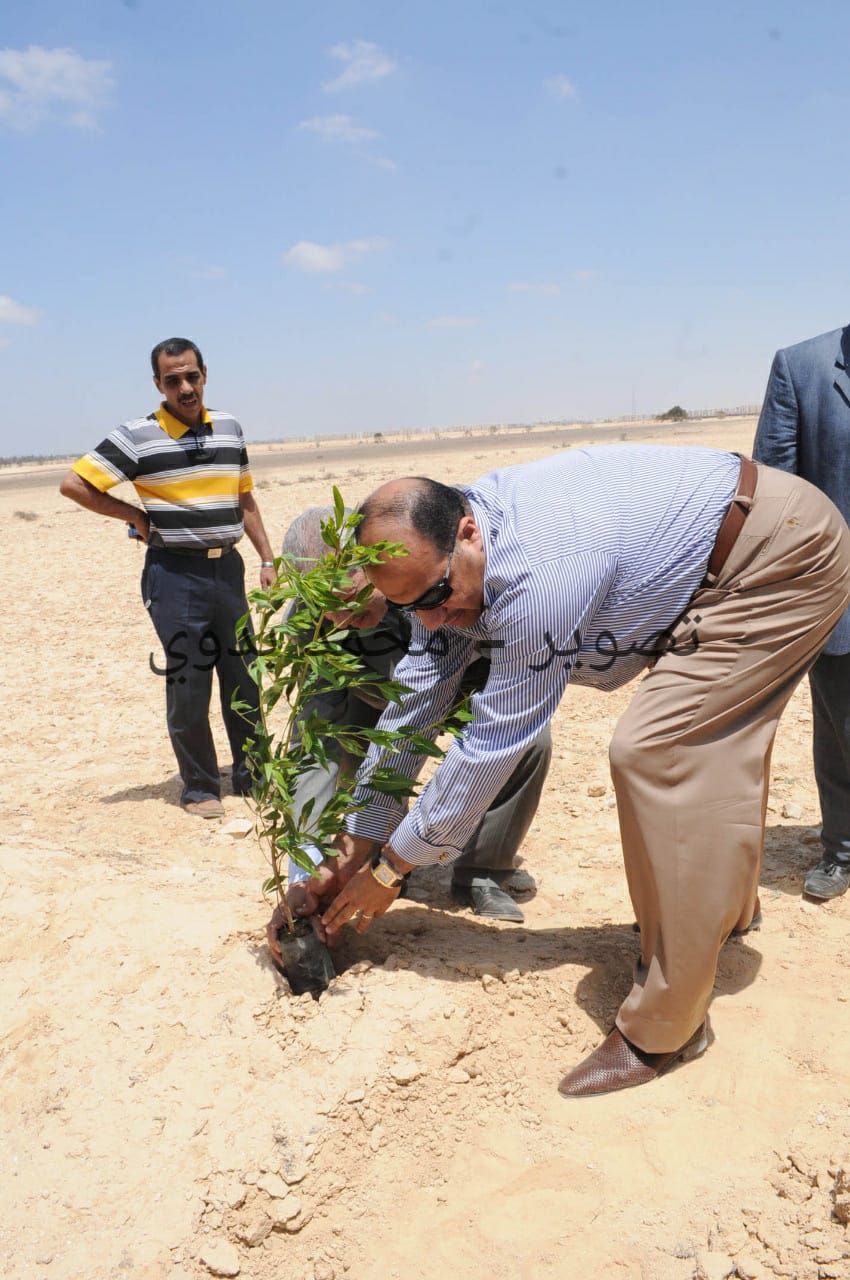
(188, 479)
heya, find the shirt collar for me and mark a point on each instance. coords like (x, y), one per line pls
(173, 426)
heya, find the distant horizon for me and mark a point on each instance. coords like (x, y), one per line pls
(697, 415)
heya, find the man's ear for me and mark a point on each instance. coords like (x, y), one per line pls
(467, 530)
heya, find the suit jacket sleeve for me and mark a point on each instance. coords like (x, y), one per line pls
(778, 431)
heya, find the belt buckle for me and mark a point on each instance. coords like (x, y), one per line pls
(214, 553)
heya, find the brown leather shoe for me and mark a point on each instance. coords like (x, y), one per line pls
(619, 1064)
(211, 808)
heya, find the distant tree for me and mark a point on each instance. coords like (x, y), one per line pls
(676, 414)
(378, 437)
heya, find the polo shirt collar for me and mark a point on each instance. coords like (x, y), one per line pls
(173, 426)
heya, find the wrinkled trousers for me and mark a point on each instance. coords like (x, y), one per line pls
(690, 758)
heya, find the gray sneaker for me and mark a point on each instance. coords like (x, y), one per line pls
(829, 879)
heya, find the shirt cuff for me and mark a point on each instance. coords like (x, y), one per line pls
(408, 845)
(295, 874)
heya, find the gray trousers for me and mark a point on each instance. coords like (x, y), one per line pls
(491, 849)
(830, 682)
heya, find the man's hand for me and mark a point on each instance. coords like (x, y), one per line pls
(141, 524)
(268, 576)
(362, 898)
(304, 899)
(353, 852)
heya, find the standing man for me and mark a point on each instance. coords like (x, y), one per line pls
(380, 637)
(723, 577)
(189, 466)
(804, 428)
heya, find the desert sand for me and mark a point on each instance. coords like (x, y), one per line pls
(170, 1111)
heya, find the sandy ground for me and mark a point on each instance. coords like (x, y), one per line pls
(169, 1111)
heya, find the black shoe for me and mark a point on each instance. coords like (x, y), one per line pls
(241, 781)
(829, 879)
(487, 899)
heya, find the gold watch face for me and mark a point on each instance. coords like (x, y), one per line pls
(385, 875)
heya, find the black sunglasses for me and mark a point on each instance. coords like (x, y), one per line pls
(432, 598)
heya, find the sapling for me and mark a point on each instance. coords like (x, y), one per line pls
(297, 652)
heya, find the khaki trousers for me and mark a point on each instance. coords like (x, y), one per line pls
(690, 758)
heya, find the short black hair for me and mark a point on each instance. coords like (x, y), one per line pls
(174, 347)
(434, 510)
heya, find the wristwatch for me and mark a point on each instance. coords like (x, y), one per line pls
(385, 873)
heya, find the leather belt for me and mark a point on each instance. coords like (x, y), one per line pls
(733, 522)
(208, 553)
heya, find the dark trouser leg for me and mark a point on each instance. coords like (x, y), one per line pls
(177, 593)
(345, 711)
(491, 850)
(234, 679)
(830, 684)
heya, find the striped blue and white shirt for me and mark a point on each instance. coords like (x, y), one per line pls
(590, 557)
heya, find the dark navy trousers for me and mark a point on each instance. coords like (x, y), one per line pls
(830, 683)
(194, 604)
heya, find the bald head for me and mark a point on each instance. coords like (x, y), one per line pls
(414, 503)
(441, 576)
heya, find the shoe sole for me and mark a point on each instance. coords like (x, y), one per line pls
(694, 1050)
(463, 897)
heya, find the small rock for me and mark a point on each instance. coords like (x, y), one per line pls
(841, 1197)
(748, 1267)
(255, 1231)
(596, 789)
(810, 837)
(221, 1259)
(273, 1185)
(489, 982)
(294, 1225)
(828, 1254)
(791, 809)
(239, 828)
(716, 1266)
(355, 1095)
(322, 1270)
(405, 1072)
(234, 1195)
(284, 1211)
(734, 1238)
(294, 1175)
(457, 1075)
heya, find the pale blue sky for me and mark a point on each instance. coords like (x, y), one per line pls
(374, 215)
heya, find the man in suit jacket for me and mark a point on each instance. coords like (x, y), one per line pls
(804, 427)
